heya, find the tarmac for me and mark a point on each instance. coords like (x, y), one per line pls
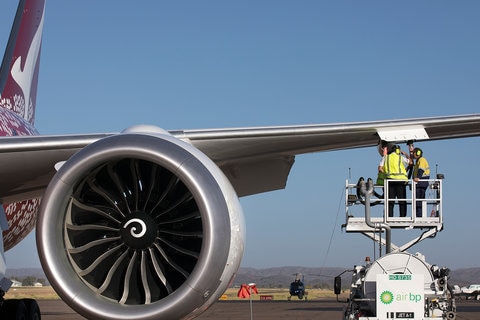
(327, 309)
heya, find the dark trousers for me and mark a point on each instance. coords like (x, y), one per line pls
(420, 190)
(397, 190)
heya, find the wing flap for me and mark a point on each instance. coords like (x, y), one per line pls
(403, 134)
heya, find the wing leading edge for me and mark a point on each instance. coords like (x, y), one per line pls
(255, 159)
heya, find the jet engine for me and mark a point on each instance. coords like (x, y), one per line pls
(140, 226)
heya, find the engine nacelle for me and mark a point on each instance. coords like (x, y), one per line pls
(140, 226)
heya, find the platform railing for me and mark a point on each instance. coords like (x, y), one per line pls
(431, 205)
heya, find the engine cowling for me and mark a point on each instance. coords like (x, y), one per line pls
(140, 226)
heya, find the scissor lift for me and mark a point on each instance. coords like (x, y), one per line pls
(375, 223)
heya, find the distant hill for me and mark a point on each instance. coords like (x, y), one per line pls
(280, 277)
(465, 277)
(26, 272)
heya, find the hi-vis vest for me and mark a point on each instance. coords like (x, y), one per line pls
(394, 168)
(422, 163)
(381, 178)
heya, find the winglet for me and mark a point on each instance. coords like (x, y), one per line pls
(20, 65)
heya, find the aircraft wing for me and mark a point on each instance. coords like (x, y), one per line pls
(27, 163)
(259, 159)
(255, 159)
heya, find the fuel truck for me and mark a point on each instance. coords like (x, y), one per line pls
(397, 285)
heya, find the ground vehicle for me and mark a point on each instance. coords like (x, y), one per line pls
(398, 285)
(471, 292)
(297, 287)
(456, 289)
(401, 284)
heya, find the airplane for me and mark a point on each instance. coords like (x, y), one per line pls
(146, 223)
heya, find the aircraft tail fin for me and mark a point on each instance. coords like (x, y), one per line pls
(20, 65)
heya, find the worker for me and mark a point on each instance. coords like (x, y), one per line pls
(394, 169)
(383, 151)
(421, 174)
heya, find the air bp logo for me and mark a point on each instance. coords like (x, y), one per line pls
(386, 297)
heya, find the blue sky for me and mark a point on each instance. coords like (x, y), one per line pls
(107, 65)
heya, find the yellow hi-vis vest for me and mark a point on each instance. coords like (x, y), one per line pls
(381, 178)
(394, 168)
(421, 163)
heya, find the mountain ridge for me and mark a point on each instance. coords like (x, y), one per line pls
(281, 277)
(316, 277)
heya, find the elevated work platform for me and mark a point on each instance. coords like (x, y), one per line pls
(374, 222)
